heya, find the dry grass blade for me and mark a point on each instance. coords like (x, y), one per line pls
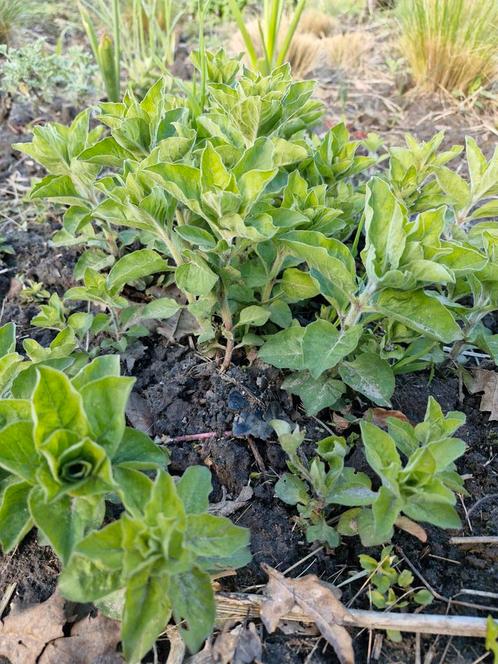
(316, 600)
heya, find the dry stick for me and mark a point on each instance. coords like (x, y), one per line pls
(470, 541)
(192, 437)
(239, 606)
(437, 595)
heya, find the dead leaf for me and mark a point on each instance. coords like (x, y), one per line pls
(35, 636)
(379, 416)
(139, 413)
(316, 600)
(228, 507)
(24, 634)
(90, 639)
(409, 526)
(179, 326)
(486, 381)
(340, 422)
(241, 645)
(14, 289)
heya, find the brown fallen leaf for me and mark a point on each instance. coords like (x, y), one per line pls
(90, 639)
(241, 645)
(139, 413)
(379, 416)
(340, 423)
(409, 526)
(35, 636)
(314, 599)
(25, 633)
(486, 381)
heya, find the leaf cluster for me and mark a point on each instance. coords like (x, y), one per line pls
(414, 465)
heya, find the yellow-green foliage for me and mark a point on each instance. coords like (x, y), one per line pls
(449, 44)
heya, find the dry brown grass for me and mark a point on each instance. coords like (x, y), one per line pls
(450, 44)
(317, 23)
(349, 50)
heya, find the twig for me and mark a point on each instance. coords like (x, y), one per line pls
(239, 606)
(435, 593)
(472, 541)
(7, 596)
(491, 496)
(192, 437)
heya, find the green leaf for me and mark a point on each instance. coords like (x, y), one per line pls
(137, 450)
(56, 405)
(15, 519)
(298, 285)
(18, 454)
(322, 532)
(134, 489)
(194, 488)
(7, 339)
(385, 511)
(315, 393)
(192, 599)
(211, 537)
(14, 410)
(380, 451)
(64, 521)
(162, 308)
(420, 312)
(254, 316)
(292, 490)
(104, 403)
(147, 611)
(423, 597)
(370, 375)
(106, 152)
(134, 266)
(100, 367)
(384, 229)
(284, 349)
(324, 346)
(196, 277)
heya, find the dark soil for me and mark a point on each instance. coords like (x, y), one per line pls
(179, 392)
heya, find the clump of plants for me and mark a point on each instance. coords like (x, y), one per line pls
(449, 44)
(65, 450)
(40, 73)
(415, 472)
(343, 272)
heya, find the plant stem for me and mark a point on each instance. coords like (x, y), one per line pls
(227, 318)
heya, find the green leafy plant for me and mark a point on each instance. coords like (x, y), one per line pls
(64, 446)
(155, 561)
(384, 576)
(342, 273)
(423, 488)
(17, 372)
(138, 38)
(275, 47)
(389, 588)
(449, 44)
(316, 486)
(40, 73)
